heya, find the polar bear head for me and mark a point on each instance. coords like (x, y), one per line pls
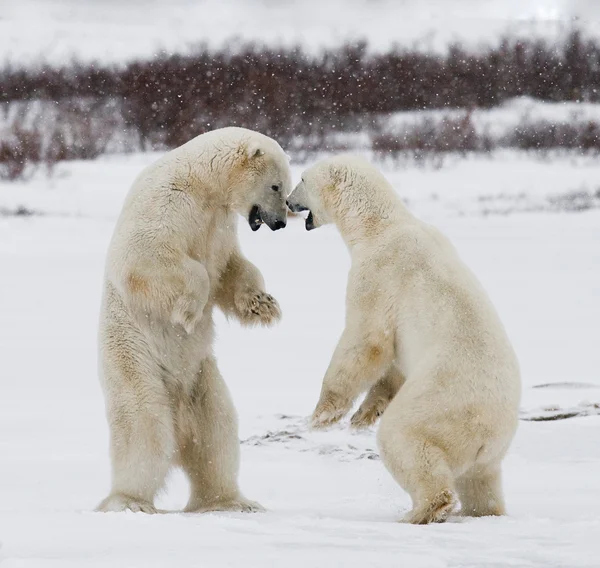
(346, 190)
(260, 185)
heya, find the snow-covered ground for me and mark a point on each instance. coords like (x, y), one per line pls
(330, 501)
(111, 30)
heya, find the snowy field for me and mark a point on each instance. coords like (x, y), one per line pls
(330, 501)
(114, 31)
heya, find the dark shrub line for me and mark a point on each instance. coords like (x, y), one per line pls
(77, 135)
(172, 98)
(458, 134)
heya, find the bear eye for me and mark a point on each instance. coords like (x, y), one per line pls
(275, 187)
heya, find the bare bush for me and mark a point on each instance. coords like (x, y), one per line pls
(431, 136)
(310, 103)
(546, 135)
(70, 130)
(172, 98)
(80, 132)
(17, 150)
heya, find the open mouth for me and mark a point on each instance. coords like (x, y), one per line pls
(258, 217)
(255, 218)
(296, 207)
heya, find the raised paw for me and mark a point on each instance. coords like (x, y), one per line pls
(330, 410)
(258, 308)
(367, 415)
(119, 502)
(187, 311)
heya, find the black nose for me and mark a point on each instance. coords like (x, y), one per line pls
(279, 225)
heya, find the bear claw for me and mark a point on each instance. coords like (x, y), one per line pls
(259, 307)
(330, 410)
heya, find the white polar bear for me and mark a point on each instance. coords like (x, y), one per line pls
(174, 256)
(422, 334)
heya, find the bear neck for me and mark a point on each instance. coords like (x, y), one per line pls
(370, 219)
(207, 195)
(360, 229)
(214, 183)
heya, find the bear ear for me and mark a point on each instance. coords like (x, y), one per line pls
(254, 150)
(338, 175)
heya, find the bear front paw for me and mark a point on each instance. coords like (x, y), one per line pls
(187, 311)
(330, 410)
(258, 308)
(366, 416)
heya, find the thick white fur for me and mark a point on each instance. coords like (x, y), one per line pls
(423, 336)
(173, 257)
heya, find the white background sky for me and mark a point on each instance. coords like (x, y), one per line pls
(116, 30)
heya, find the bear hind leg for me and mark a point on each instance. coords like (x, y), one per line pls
(422, 470)
(480, 492)
(208, 442)
(141, 442)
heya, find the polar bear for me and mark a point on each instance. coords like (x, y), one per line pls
(173, 257)
(423, 336)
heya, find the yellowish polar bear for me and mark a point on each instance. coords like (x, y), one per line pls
(174, 256)
(423, 336)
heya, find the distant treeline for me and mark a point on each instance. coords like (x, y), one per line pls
(286, 92)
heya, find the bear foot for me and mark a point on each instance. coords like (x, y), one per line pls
(330, 410)
(240, 505)
(435, 511)
(118, 503)
(365, 417)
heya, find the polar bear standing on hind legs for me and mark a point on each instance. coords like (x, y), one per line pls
(173, 257)
(423, 336)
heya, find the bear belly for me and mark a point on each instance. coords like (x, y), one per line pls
(163, 349)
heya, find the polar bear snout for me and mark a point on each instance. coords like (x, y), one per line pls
(309, 223)
(301, 199)
(295, 207)
(258, 216)
(276, 224)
